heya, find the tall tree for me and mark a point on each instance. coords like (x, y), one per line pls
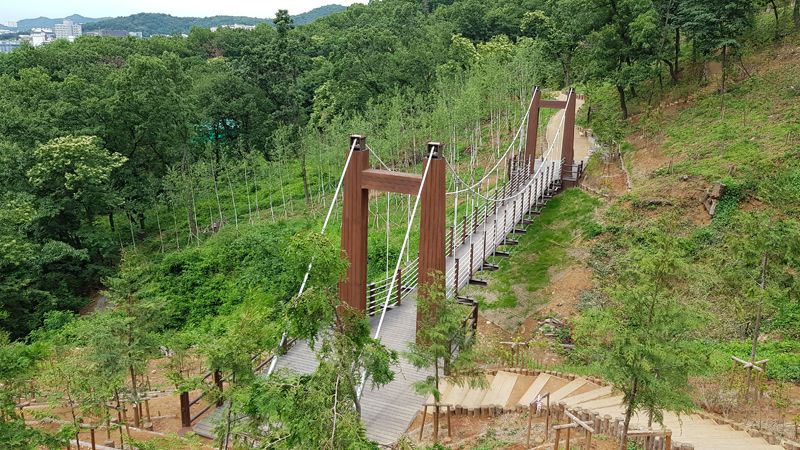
(641, 338)
(717, 25)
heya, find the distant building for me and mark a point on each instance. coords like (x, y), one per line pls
(8, 47)
(11, 23)
(68, 30)
(115, 33)
(136, 34)
(236, 25)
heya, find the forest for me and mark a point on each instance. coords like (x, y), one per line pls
(153, 23)
(184, 180)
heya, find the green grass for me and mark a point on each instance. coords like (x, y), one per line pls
(567, 217)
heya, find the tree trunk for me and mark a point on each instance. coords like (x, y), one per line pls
(777, 29)
(141, 222)
(623, 442)
(111, 221)
(622, 103)
(189, 190)
(633, 92)
(722, 90)
(677, 50)
(758, 315)
(797, 15)
(672, 72)
(305, 177)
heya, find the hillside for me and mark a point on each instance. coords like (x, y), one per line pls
(153, 23)
(46, 22)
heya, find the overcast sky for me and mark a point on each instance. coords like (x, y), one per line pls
(18, 10)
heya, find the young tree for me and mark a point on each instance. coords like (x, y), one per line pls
(19, 363)
(641, 338)
(289, 410)
(442, 343)
(760, 273)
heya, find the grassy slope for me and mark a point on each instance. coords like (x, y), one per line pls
(754, 149)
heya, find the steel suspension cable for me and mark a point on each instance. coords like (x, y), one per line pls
(310, 264)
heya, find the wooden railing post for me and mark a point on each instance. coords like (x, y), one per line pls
(474, 220)
(218, 384)
(456, 289)
(471, 259)
(452, 240)
(399, 286)
(495, 202)
(371, 299)
(185, 416)
(464, 227)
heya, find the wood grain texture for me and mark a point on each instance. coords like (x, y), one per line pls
(386, 181)
(432, 223)
(558, 104)
(355, 205)
(532, 139)
(568, 144)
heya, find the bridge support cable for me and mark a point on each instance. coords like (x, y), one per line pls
(274, 362)
(527, 185)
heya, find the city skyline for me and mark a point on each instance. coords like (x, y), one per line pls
(182, 8)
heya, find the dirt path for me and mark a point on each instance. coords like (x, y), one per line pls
(582, 143)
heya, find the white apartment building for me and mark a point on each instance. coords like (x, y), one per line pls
(67, 30)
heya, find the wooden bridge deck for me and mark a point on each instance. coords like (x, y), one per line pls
(387, 412)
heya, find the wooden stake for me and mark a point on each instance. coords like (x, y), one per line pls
(566, 445)
(91, 430)
(422, 427)
(449, 413)
(558, 438)
(530, 418)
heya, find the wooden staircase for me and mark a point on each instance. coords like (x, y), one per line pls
(513, 390)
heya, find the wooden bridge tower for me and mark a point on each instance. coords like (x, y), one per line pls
(569, 171)
(359, 180)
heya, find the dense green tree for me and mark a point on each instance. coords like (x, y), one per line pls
(716, 25)
(642, 338)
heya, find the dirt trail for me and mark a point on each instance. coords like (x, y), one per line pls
(582, 143)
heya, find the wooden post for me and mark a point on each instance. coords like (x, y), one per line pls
(217, 377)
(464, 228)
(547, 420)
(566, 446)
(91, 431)
(186, 416)
(668, 441)
(432, 220)
(530, 419)
(422, 426)
(135, 414)
(452, 240)
(449, 428)
(371, 302)
(456, 276)
(355, 205)
(436, 423)
(558, 438)
(471, 259)
(399, 286)
(568, 143)
(147, 408)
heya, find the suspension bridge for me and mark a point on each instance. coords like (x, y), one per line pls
(500, 207)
